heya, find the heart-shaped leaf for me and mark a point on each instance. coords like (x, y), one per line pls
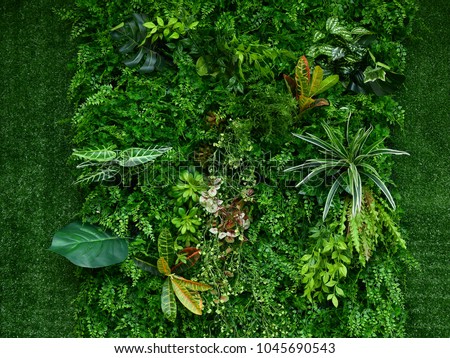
(86, 245)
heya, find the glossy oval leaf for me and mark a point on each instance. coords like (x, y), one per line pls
(143, 265)
(87, 245)
(192, 256)
(165, 246)
(192, 285)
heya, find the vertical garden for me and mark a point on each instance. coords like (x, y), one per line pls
(233, 168)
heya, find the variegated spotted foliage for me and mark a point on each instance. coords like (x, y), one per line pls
(187, 291)
(308, 84)
(347, 52)
(109, 163)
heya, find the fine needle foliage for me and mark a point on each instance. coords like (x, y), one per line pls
(345, 163)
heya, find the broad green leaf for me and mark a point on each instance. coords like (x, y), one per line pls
(201, 66)
(192, 285)
(150, 25)
(168, 303)
(143, 265)
(165, 246)
(188, 299)
(174, 35)
(87, 245)
(136, 156)
(163, 266)
(339, 291)
(335, 301)
(159, 21)
(374, 74)
(96, 154)
(172, 21)
(327, 83)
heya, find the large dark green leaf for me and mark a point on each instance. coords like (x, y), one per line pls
(86, 245)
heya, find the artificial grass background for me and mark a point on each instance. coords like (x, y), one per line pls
(37, 198)
(36, 194)
(423, 178)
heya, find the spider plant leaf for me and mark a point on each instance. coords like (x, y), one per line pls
(335, 141)
(386, 151)
(317, 171)
(377, 180)
(163, 266)
(331, 194)
(192, 301)
(192, 285)
(143, 265)
(355, 188)
(168, 302)
(358, 142)
(310, 163)
(310, 138)
(165, 246)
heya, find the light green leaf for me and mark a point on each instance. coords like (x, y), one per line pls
(159, 21)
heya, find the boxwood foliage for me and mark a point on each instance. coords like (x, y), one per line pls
(221, 104)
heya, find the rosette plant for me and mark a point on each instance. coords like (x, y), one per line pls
(187, 291)
(346, 163)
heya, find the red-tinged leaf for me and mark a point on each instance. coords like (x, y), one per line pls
(321, 102)
(291, 85)
(163, 266)
(305, 103)
(192, 256)
(303, 76)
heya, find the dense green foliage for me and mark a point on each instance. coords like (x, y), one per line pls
(220, 102)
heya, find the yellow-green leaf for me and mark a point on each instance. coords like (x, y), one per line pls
(191, 300)
(192, 285)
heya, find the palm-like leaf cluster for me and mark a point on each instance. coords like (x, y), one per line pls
(347, 163)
